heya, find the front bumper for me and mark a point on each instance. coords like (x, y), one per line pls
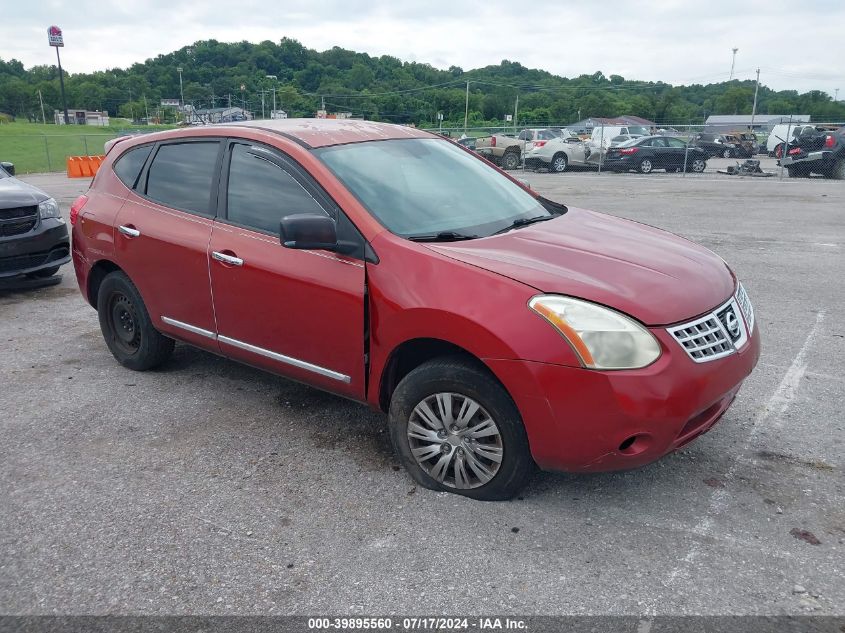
(45, 246)
(582, 420)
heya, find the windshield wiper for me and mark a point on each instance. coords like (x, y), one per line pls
(525, 222)
(443, 236)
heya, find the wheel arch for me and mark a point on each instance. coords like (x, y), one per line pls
(412, 353)
(95, 277)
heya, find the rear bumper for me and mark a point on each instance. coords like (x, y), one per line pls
(581, 420)
(825, 157)
(46, 246)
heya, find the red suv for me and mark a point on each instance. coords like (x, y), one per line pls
(498, 329)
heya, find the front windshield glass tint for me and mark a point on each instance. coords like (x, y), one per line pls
(420, 187)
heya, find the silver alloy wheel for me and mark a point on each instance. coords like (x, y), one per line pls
(559, 163)
(698, 165)
(455, 441)
(646, 166)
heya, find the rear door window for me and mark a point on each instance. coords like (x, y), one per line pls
(129, 166)
(182, 175)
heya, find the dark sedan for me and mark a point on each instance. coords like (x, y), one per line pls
(655, 152)
(33, 236)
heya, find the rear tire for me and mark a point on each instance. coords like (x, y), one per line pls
(645, 166)
(798, 171)
(727, 153)
(127, 327)
(480, 451)
(510, 160)
(697, 165)
(559, 163)
(43, 273)
(837, 172)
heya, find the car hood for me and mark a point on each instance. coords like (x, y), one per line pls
(655, 276)
(16, 193)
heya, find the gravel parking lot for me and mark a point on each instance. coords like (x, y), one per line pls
(207, 487)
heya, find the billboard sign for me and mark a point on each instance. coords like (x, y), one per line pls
(54, 36)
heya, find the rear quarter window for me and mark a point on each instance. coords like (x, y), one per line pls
(129, 165)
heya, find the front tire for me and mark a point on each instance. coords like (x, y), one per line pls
(457, 430)
(127, 327)
(559, 163)
(728, 153)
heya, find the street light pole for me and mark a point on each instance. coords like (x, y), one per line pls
(733, 62)
(275, 80)
(754, 107)
(181, 92)
(466, 110)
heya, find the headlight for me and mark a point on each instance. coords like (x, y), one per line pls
(49, 209)
(602, 338)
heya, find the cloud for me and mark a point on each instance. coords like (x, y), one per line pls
(669, 40)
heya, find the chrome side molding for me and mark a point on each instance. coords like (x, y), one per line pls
(281, 358)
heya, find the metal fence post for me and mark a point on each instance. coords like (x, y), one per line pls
(85, 144)
(47, 152)
(601, 147)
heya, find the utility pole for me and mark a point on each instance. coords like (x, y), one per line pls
(146, 112)
(733, 62)
(262, 104)
(754, 107)
(41, 99)
(515, 111)
(466, 110)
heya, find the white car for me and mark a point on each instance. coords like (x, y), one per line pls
(558, 153)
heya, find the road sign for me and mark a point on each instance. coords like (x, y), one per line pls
(54, 36)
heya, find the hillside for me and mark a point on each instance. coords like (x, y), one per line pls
(384, 88)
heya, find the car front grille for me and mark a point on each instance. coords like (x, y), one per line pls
(717, 334)
(17, 220)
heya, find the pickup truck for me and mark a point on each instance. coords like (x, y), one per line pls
(817, 152)
(506, 151)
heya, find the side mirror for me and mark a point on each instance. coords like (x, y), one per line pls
(308, 231)
(9, 167)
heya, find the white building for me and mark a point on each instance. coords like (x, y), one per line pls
(278, 114)
(82, 117)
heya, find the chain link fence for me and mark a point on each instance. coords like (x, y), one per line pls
(33, 153)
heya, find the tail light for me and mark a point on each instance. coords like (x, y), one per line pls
(492, 141)
(828, 141)
(76, 207)
(628, 150)
(794, 150)
(539, 143)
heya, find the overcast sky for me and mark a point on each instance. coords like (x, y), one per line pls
(797, 45)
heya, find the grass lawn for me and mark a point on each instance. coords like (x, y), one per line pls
(34, 147)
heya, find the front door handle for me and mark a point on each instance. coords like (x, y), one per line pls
(129, 231)
(227, 259)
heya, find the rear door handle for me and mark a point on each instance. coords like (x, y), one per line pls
(129, 231)
(227, 259)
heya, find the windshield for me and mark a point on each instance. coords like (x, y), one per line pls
(636, 129)
(419, 187)
(3, 173)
